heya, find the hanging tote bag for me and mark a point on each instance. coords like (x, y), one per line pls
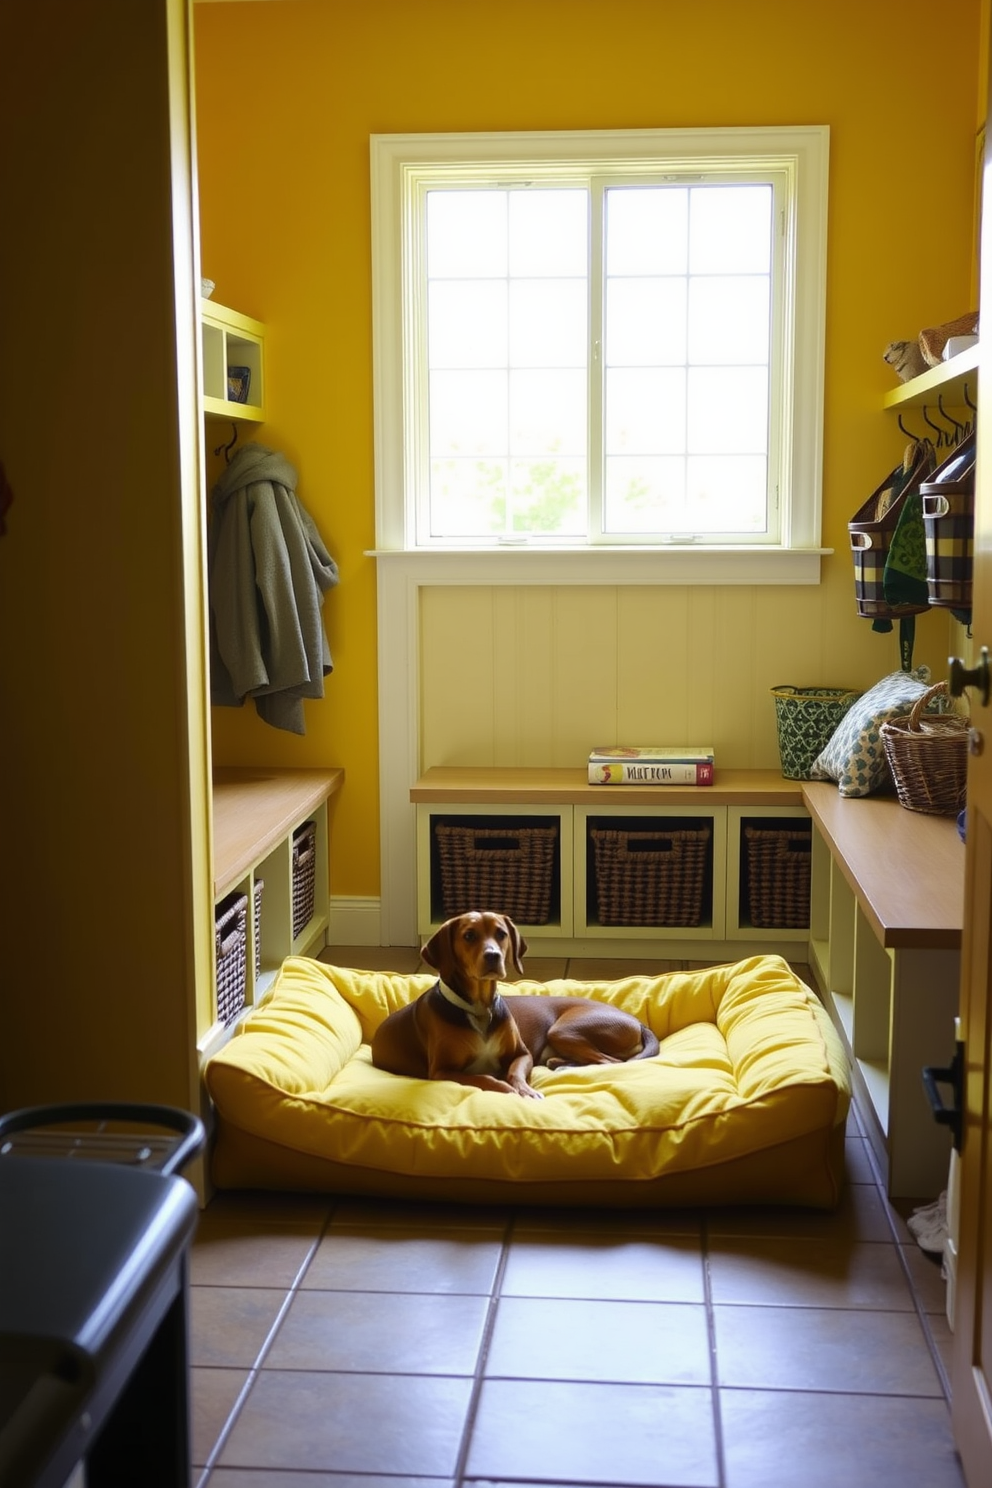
(948, 500)
(871, 533)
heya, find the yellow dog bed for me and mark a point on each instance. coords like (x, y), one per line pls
(745, 1102)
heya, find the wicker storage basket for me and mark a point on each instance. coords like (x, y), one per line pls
(259, 886)
(806, 719)
(230, 955)
(928, 757)
(653, 877)
(507, 869)
(778, 872)
(933, 339)
(304, 875)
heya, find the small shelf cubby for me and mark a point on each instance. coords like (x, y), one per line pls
(233, 350)
(641, 872)
(519, 862)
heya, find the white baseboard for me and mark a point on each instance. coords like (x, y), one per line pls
(354, 921)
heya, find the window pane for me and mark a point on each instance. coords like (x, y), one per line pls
(466, 234)
(468, 498)
(730, 229)
(468, 413)
(645, 411)
(647, 230)
(728, 410)
(645, 322)
(645, 494)
(727, 493)
(467, 324)
(548, 413)
(728, 320)
(548, 322)
(549, 233)
(548, 496)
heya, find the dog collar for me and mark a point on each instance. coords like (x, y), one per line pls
(450, 995)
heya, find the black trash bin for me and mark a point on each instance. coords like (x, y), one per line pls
(95, 1232)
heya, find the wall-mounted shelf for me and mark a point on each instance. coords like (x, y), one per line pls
(231, 340)
(948, 381)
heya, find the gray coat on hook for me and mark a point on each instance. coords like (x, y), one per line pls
(269, 572)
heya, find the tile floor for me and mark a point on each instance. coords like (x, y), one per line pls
(352, 1344)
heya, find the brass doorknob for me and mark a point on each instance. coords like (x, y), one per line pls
(959, 676)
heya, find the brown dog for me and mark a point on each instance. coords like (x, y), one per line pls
(462, 1029)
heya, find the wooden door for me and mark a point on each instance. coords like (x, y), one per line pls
(972, 1368)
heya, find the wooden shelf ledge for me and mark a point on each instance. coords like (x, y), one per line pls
(256, 808)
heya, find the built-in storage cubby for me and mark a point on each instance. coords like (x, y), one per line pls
(271, 848)
(630, 865)
(886, 911)
(233, 364)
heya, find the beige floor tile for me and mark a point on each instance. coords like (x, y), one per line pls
(617, 1342)
(928, 1284)
(350, 1423)
(250, 1477)
(229, 1325)
(861, 1215)
(604, 1268)
(402, 959)
(415, 1219)
(588, 969)
(389, 1261)
(538, 968)
(810, 1348)
(213, 1396)
(784, 1272)
(777, 1439)
(226, 1254)
(611, 1223)
(594, 1434)
(380, 1333)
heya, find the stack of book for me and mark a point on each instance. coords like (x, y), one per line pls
(651, 764)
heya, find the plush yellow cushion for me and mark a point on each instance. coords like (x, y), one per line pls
(746, 1099)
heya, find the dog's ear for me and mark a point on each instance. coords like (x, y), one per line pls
(517, 944)
(437, 951)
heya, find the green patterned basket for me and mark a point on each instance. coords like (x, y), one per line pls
(807, 718)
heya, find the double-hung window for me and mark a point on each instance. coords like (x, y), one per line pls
(607, 341)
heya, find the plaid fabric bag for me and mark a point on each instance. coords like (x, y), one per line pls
(949, 520)
(873, 529)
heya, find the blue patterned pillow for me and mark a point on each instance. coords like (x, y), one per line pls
(855, 755)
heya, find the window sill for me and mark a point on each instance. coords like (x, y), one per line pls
(669, 565)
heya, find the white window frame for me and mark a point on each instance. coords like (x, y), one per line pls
(399, 165)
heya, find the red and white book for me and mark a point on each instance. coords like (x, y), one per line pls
(651, 764)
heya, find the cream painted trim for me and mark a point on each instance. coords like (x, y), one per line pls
(353, 920)
(396, 160)
(400, 578)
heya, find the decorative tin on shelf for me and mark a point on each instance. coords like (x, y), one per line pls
(651, 877)
(508, 869)
(304, 875)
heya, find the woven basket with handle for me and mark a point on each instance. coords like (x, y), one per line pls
(928, 756)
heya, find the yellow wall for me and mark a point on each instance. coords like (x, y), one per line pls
(105, 894)
(287, 95)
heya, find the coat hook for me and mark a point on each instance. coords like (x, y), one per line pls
(908, 432)
(959, 429)
(227, 448)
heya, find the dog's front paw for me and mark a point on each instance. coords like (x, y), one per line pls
(529, 1093)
